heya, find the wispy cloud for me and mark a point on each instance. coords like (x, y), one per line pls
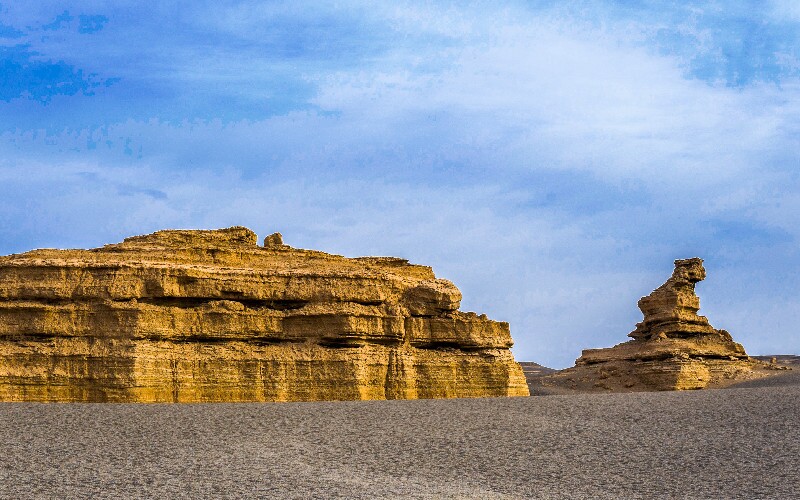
(550, 158)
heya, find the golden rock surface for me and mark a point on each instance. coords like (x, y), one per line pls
(194, 316)
(673, 348)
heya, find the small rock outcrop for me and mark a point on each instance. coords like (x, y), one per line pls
(186, 315)
(273, 240)
(673, 348)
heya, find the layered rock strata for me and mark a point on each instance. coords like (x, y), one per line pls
(673, 348)
(211, 316)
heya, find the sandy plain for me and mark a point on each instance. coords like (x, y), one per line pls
(741, 442)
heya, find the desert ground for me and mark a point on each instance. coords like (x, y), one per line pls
(742, 442)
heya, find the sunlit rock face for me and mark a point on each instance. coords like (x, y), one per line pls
(673, 348)
(185, 315)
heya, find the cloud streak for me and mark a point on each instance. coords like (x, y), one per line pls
(551, 160)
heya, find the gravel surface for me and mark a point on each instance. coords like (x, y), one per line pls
(777, 380)
(734, 443)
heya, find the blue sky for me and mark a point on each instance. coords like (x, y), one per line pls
(550, 158)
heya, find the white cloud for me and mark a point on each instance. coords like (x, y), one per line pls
(551, 169)
(785, 10)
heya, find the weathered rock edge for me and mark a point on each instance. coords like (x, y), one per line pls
(673, 348)
(202, 316)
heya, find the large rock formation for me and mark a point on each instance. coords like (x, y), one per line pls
(211, 316)
(673, 348)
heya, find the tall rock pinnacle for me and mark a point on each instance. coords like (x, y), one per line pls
(672, 348)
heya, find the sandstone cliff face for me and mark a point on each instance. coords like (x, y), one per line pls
(673, 348)
(212, 316)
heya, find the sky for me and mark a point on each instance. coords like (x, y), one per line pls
(551, 158)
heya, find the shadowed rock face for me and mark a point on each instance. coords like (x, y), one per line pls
(673, 348)
(211, 316)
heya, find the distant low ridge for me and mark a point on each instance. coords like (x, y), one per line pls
(194, 315)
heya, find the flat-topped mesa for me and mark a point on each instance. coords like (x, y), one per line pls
(191, 315)
(672, 348)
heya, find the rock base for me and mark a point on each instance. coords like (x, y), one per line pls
(662, 375)
(73, 370)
